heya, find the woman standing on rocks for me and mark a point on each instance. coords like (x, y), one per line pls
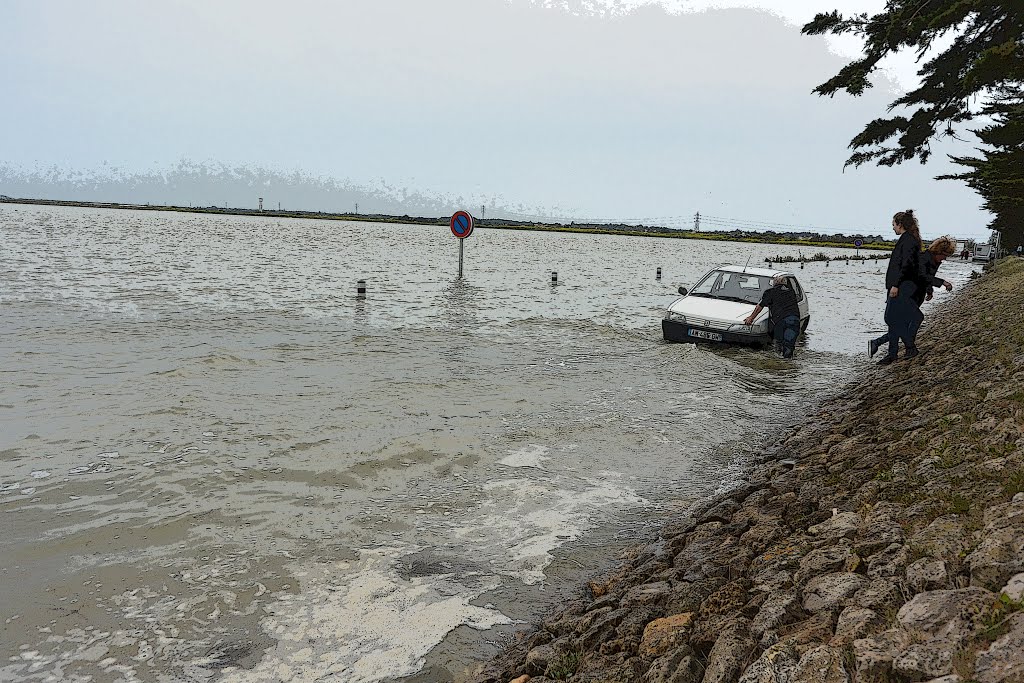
(899, 307)
(930, 260)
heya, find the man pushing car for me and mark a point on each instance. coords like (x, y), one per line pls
(781, 302)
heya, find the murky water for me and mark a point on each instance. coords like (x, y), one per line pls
(218, 464)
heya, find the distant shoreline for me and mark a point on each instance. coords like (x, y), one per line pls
(498, 223)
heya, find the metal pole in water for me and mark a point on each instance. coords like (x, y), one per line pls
(554, 277)
(461, 243)
(658, 275)
(361, 289)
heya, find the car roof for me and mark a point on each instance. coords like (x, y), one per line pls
(754, 271)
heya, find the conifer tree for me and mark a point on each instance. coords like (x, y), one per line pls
(979, 76)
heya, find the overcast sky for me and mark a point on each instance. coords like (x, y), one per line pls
(639, 110)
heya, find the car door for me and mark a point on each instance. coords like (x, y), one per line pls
(801, 299)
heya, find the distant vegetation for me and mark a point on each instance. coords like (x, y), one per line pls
(804, 239)
(822, 256)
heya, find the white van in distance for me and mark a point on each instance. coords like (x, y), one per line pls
(983, 252)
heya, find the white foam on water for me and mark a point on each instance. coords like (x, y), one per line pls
(109, 454)
(531, 456)
(362, 622)
(40, 474)
(523, 520)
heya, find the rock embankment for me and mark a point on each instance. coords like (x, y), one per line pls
(881, 541)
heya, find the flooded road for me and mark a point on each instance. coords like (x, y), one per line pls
(218, 464)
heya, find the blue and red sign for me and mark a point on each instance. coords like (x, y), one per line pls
(462, 224)
(858, 243)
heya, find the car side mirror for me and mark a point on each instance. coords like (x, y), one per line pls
(682, 290)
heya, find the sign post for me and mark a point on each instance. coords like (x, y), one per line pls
(858, 243)
(461, 224)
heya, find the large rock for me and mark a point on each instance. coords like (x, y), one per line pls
(610, 600)
(855, 623)
(927, 574)
(780, 608)
(730, 653)
(706, 631)
(833, 558)
(699, 544)
(751, 512)
(679, 666)
(945, 538)
(642, 573)
(828, 592)
(875, 654)
(664, 635)
(646, 594)
(889, 562)
(879, 595)
(602, 629)
(722, 512)
(775, 665)
(821, 665)
(1014, 588)
(620, 669)
(782, 556)
(953, 615)
(843, 525)
(567, 620)
(631, 630)
(1000, 554)
(810, 633)
(687, 596)
(583, 623)
(721, 557)
(759, 537)
(729, 598)
(770, 581)
(921, 661)
(539, 658)
(1003, 661)
(881, 528)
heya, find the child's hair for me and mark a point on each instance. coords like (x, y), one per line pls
(943, 246)
(908, 221)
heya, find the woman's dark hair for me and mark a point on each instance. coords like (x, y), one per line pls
(908, 221)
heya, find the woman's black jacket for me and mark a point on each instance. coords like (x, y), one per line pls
(903, 262)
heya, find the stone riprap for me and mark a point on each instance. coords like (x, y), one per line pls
(883, 540)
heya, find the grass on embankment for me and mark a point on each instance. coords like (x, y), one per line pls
(943, 433)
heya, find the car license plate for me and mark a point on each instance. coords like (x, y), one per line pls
(712, 336)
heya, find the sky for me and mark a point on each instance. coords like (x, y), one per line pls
(640, 111)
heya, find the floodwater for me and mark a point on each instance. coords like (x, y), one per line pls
(218, 464)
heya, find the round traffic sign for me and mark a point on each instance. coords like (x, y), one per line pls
(858, 242)
(461, 224)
